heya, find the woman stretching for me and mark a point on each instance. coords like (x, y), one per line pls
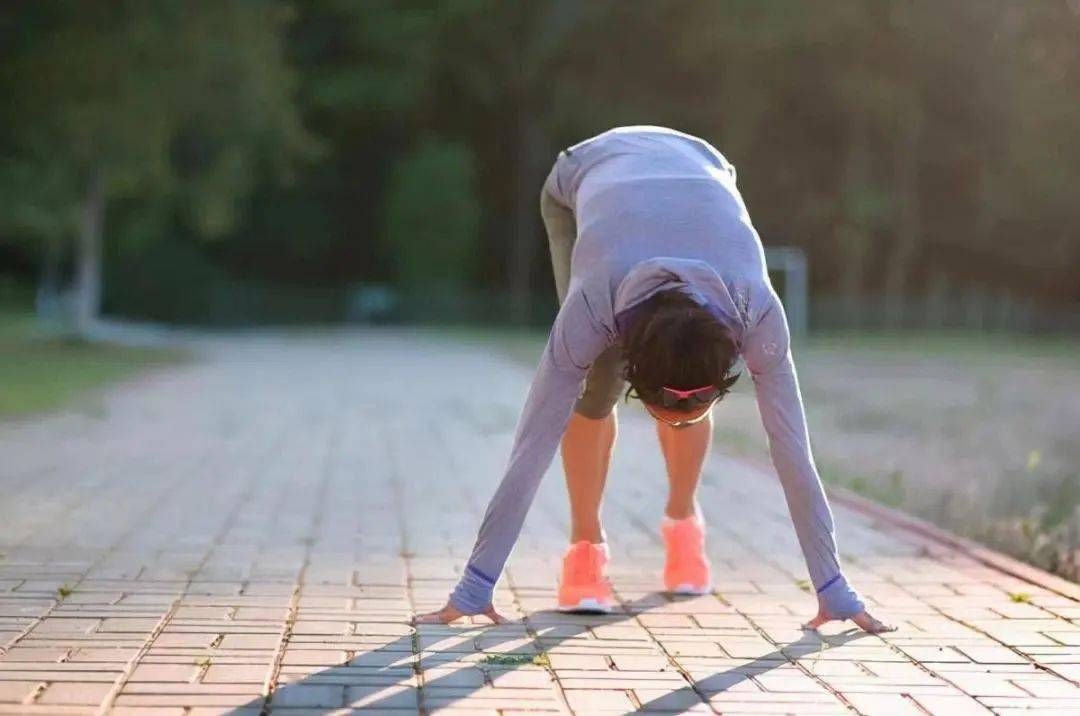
(661, 282)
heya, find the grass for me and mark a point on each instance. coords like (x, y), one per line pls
(42, 370)
(887, 489)
(516, 659)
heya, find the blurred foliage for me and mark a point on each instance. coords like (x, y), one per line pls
(910, 147)
(144, 285)
(433, 216)
(175, 101)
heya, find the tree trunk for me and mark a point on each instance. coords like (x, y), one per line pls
(908, 230)
(526, 200)
(88, 255)
(938, 308)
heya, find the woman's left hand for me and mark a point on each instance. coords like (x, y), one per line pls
(863, 619)
(450, 613)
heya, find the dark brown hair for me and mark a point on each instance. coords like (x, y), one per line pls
(670, 340)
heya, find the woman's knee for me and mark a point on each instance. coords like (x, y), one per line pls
(595, 407)
(604, 385)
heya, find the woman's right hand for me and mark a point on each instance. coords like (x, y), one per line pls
(450, 613)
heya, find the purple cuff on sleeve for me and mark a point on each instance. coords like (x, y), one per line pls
(839, 599)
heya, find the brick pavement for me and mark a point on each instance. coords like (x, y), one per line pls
(251, 534)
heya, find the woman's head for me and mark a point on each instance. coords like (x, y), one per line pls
(674, 345)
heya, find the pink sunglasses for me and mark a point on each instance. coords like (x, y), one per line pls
(672, 397)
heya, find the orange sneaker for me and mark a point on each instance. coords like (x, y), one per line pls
(584, 586)
(687, 569)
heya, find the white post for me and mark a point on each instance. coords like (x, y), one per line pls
(796, 296)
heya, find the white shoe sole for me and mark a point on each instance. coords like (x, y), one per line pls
(588, 606)
(691, 590)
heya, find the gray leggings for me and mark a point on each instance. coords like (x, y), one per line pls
(604, 384)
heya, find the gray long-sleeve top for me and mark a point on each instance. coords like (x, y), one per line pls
(657, 209)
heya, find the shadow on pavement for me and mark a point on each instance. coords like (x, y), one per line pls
(384, 678)
(809, 643)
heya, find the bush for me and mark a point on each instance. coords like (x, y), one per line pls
(431, 218)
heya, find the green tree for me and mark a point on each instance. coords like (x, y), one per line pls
(507, 60)
(172, 102)
(432, 217)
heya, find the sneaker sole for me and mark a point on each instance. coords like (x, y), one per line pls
(587, 606)
(691, 590)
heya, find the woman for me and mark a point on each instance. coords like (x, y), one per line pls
(662, 282)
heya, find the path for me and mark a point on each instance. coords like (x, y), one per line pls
(267, 520)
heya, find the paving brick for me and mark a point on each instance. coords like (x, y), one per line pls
(74, 693)
(309, 696)
(303, 471)
(164, 672)
(1001, 704)
(676, 700)
(392, 697)
(1050, 687)
(621, 680)
(235, 674)
(596, 662)
(934, 654)
(594, 701)
(744, 702)
(951, 705)
(991, 654)
(48, 710)
(442, 677)
(222, 701)
(789, 682)
(182, 640)
(14, 692)
(60, 674)
(892, 704)
(250, 641)
(634, 662)
(57, 625)
(520, 678)
(179, 688)
(985, 685)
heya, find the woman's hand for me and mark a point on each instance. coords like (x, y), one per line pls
(863, 619)
(450, 613)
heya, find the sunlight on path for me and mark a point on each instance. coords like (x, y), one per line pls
(252, 533)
